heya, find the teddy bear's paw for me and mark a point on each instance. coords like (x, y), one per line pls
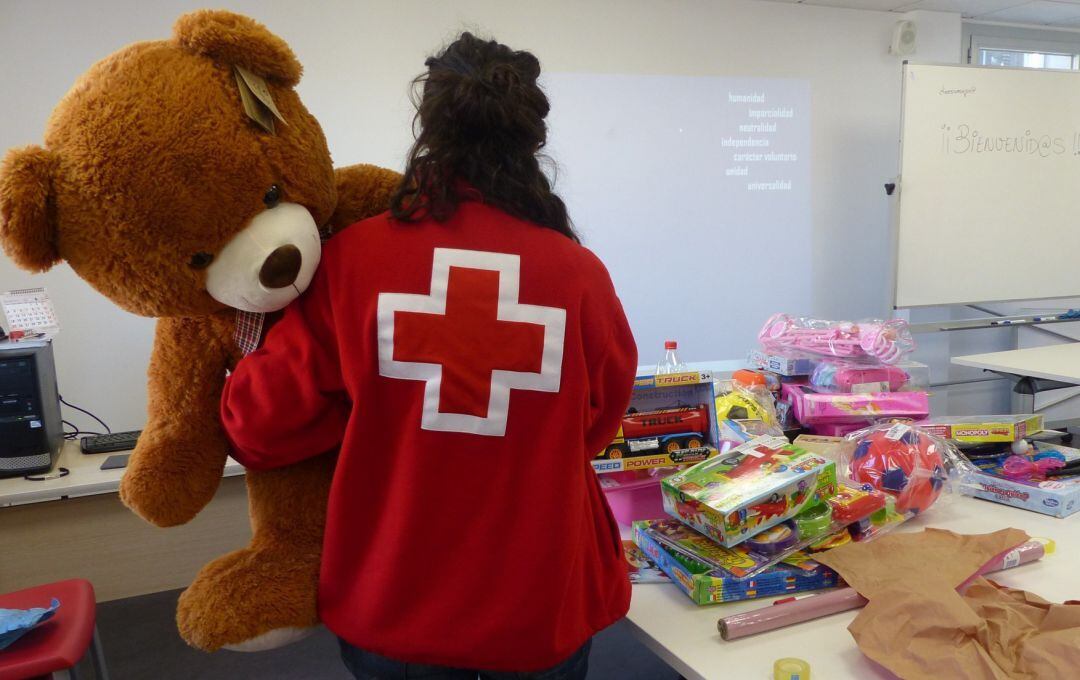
(251, 599)
(272, 639)
(165, 488)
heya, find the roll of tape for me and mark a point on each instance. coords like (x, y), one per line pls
(814, 521)
(775, 540)
(791, 669)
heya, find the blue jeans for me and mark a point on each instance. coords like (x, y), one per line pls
(368, 666)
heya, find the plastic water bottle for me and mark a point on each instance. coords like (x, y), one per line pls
(670, 363)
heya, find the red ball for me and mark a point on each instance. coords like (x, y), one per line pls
(903, 462)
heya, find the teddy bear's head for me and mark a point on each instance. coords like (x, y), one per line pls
(160, 189)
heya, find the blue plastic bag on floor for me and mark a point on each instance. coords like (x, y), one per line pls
(14, 623)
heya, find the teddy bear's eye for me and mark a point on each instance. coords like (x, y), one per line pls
(201, 260)
(272, 196)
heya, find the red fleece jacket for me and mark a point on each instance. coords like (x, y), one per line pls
(469, 371)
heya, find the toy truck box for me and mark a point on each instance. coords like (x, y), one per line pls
(748, 489)
(704, 586)
(671, 420)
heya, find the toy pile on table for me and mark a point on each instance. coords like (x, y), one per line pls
(838, 377)
(747, 523)
(744, 508)
(825, 439)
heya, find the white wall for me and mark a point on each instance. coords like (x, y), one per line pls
(990, 395)
(359, 57)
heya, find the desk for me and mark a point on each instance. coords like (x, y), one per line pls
(685, 636)
(76, 527)
(1054, 362)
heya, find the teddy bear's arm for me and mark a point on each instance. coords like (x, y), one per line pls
(178, 462)
(363, 191)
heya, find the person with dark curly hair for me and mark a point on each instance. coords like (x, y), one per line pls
(469, 357)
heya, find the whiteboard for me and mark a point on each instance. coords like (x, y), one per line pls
(989, 202)
(694, 191)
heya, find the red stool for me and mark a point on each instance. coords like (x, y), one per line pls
(62, 641)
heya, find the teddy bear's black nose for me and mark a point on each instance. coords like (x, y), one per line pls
(281, 267)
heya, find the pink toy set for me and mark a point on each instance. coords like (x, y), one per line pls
(884, 341)
(849, 377)
(814, 407)
(839, 376)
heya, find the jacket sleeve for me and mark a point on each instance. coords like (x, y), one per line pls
(611, 359)
(287, 401)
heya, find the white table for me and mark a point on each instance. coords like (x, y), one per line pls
(76, 527)
(1053, 362)
(685, 636)
(86, 478)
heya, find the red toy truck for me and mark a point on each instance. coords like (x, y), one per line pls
(667, 430)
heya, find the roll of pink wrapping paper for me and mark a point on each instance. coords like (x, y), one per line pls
(816, 606)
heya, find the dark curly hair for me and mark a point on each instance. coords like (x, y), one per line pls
(480, 119)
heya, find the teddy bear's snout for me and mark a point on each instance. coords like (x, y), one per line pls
(281, 267)
(269, 262)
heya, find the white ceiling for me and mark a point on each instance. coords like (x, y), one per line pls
(1062, 13)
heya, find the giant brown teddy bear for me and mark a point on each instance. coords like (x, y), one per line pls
(160, 188)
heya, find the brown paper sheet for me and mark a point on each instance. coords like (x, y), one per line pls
(918, 626)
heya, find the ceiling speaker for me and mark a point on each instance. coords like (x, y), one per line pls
(903, 39)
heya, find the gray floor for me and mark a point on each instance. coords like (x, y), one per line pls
(140, 640)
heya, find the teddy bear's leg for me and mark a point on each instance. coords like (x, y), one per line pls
(265, 595)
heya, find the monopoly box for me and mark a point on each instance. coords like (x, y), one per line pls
(748, 489)
(984, 429)
(1057, 497)
(671, 420)
(698, 581)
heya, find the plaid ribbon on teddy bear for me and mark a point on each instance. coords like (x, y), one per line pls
(249, 325)
(249, 328)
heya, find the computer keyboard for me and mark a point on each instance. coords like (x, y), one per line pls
(107, 443)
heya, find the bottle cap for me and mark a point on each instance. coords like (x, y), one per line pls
(671, 344)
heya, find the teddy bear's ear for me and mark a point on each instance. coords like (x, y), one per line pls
(27, 225)
(239, 40)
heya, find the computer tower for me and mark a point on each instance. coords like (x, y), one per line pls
(31, 433)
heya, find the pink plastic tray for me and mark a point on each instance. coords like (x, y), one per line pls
(636, 497)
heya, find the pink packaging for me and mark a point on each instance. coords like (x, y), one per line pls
(812, 407)
(836, 429)
(633, 496)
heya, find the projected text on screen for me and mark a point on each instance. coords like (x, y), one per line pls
(691, 190)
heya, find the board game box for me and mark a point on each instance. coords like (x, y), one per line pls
(984, 429)
(1054, 496)
(748, 489)
(698, 581)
